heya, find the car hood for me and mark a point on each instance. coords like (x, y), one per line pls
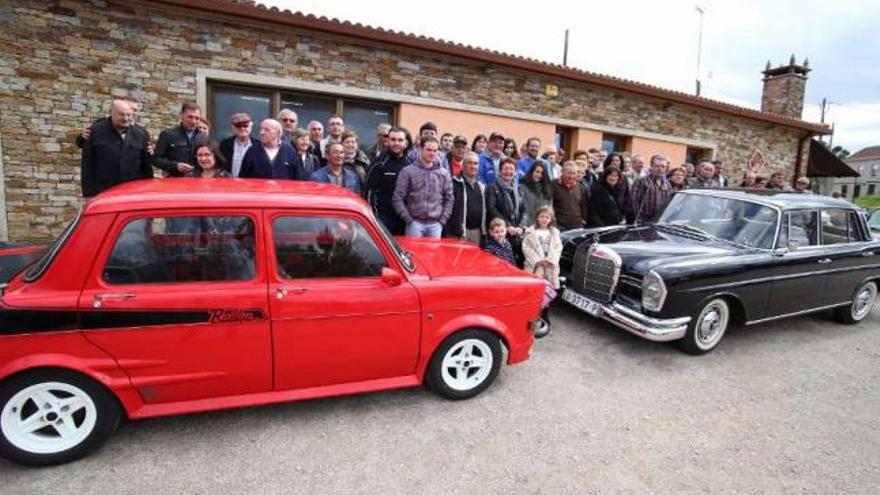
(451, 258)
(645, 248)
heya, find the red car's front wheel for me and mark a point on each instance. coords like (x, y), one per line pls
(465, 364)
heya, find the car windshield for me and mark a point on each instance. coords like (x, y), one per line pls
(403, 255)
(732, 220)
(874, 222)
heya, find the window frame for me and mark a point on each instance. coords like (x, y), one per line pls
(275, 95)
(124, 219)
(391, 260)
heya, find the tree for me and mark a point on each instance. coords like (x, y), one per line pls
(838, 151)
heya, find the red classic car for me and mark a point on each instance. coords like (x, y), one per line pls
(178, 296)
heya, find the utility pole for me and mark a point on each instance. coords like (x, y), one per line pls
(565, 50)
(824, 105)
(702, 11)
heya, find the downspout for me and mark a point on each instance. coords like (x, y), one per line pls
(797, 159)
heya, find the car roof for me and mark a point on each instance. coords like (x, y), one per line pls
(178, 193)
(780, 199)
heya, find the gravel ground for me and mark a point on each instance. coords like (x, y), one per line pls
(787, 407)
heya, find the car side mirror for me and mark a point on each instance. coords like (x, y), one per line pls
(781, 251)
(391, 277)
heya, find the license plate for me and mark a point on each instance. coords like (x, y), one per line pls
(582, 303)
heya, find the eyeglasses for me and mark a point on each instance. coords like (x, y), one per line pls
(288, 120)
(242, 125)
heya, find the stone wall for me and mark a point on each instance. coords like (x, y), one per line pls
(60, 64)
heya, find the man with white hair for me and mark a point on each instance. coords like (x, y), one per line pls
(288, 120)
(115, 152)
(270, 158)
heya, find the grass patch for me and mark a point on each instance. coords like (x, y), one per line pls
(868, 202)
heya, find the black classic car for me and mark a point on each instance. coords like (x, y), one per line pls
(718, 258)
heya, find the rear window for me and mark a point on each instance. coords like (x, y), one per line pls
(37, 269)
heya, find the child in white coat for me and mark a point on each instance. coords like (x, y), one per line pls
(542, 248)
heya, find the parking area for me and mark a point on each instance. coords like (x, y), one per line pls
(786, 407)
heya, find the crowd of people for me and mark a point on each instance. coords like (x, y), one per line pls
(514, 201)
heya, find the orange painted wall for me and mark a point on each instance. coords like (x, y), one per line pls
(470, 124)
(584, 139)
(649, 147)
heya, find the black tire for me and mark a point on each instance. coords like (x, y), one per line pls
(465, 380)
(700, 340)
(106, 410)
(863, 300)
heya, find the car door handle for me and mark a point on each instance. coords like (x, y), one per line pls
(100, 299)
(281, 292)
(825, 261)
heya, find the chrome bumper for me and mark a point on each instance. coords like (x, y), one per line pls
(644, 326)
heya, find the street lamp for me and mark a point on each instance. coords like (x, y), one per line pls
(701, 11)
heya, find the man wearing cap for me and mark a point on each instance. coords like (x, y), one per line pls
(491, 160)
(455, 157)
(234, 147)
(533, 148)
(428, 130)
(802, 185)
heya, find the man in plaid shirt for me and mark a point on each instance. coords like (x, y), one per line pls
(651, 192)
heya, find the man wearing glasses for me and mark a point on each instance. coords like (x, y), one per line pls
(233, 148)
(288, 119)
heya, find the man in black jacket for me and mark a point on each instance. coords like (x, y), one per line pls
(133, 103)
(468, 219)
(234, 147)
(382, 180)
(115, 152)
(174, 150)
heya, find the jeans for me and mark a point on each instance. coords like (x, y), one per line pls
(431, 229)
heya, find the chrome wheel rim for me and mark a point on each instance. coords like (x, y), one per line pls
(864, 301)
(467, 364)
(712, 323)
(48, 418)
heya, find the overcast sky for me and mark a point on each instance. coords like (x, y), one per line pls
(656, 43)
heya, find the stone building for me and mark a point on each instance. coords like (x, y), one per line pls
(62, 60)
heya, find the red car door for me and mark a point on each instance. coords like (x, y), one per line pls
(180, 302)
(334, 319)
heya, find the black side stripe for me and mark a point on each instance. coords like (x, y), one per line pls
(16, 322)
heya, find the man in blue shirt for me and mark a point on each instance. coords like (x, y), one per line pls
(490, 161)
(533, 148)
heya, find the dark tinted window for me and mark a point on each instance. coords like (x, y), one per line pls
(183, 249)
(324, 247)
(226, 101)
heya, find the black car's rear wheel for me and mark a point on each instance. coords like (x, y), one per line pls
(707, 328)
(861, 305)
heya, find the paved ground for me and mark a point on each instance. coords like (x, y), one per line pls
(789, 407)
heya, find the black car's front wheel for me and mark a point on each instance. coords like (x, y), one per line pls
(861, 305)
(707, 328)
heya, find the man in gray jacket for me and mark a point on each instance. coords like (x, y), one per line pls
(423, 194)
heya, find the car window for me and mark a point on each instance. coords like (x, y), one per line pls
(838, 227)
(183, 249)
(799, 228)
(324, 247)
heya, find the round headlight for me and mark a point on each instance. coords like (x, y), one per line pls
(653, 291)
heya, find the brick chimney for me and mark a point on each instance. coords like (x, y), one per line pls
(784, 88)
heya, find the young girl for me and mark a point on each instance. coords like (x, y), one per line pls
(542, 248)
(497, 243)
